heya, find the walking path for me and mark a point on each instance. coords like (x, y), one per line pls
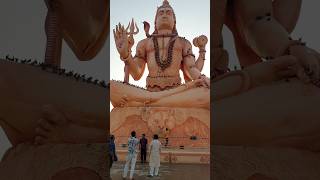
(166, 172)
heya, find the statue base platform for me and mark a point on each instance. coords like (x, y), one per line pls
(185, 127)
(54, 161)
(175, 156)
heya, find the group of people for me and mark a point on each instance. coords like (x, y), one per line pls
(134, 146)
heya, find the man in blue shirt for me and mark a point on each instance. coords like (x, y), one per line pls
(133, 144)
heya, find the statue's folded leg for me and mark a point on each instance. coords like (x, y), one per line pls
(70, 133)
(56, 127)
(279, 114)
(176, 97)
(193, 98)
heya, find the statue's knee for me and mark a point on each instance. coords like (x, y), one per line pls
(77, 173)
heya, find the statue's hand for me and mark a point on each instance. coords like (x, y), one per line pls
(200, 41)
(124, 100)
(121, 40)
(280, 68)
(195, 83)
(203, 81)
(310, 60)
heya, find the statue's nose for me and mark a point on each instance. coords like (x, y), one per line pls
(164, 17)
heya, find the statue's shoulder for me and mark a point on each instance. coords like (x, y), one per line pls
(184, 41)
(143, 43)
(182, 38)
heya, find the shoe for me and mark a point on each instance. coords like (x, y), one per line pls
(150, 175)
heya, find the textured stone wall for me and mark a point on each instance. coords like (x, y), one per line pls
(179, 124)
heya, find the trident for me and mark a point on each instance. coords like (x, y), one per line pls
(132, 25)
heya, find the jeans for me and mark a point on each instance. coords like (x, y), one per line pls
(155, 170)
(143, 155)
(131, 158)
(111, 160)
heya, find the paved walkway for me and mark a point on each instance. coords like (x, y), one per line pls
(167, 172)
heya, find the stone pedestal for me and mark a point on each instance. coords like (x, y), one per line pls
(171, 156)
(47, 162)
(178, 124)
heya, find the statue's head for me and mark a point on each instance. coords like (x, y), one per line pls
(165, 18)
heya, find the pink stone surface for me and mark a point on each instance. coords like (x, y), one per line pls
(182, 123)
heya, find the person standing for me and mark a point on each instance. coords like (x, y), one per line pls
(155, 150)
(133, 144)
(166, 136)
(112, 150)
(143, 148)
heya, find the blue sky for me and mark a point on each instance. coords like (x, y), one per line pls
(193, 19)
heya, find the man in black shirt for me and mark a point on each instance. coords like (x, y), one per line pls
(143, 148)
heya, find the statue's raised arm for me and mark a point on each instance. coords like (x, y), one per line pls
(124, 42)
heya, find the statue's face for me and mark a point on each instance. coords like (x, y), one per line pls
(165, 19)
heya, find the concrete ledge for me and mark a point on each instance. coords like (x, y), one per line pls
(175, 157)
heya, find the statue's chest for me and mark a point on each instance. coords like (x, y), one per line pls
(164, 54)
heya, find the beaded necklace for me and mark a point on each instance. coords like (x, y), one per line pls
(163, 63)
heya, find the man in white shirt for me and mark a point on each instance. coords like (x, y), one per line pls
(133, 144)
(154, 162)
